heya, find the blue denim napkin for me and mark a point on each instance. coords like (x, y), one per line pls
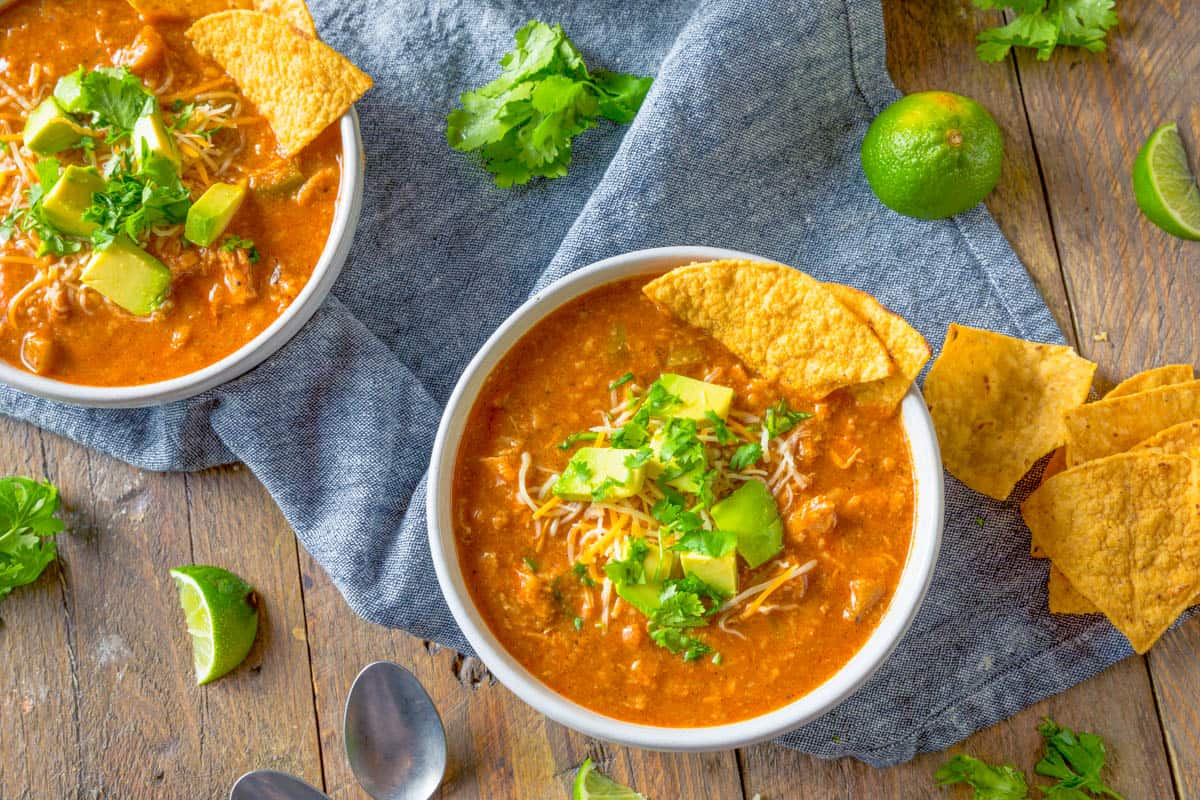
(748, 140)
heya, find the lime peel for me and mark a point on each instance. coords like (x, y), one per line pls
(1164, 186)
(593, 785)
(221, 612)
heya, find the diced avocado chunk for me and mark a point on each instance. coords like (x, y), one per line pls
(750, 513)
(70, 197)
(696, 398)
(69, 92)
(599, 469)
(719, 572)
(48, 129)
(690, 481)
(210, 215)
(129, 276)
(642, 596)
(151, 139)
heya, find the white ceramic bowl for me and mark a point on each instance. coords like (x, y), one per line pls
(253, 352)
(922, 556)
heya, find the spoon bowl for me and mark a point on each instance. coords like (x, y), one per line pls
(269, 784)
(394, 736)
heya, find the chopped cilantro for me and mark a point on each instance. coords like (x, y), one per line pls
(136, 199)
(979, 521)
(529, 562)
(658, 401)
(233, 243)
(113, 98)
(679, 609)
(28, 526)
(522, 123)
(745, 456)
(780, 419)
(601, 492)
(719, 427)
(621, 381)
(1004, 782)
(581, 572)
(677, 640)
(578, 623)
(575, 438)
(709, 543)
(681, 451)
(33, 218)
(629, 569)
(631, 435)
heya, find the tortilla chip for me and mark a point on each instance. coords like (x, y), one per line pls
(997, 404)
(1125, 530)
(781, 322)
(299, 84)
(1114, 425)
(908, 349)
(1063, 598)
(1182, 439)
(1152, 379)
(293, 11)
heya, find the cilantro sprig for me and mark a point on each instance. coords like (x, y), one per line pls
(27, 528)
(138, 198)
(1045, 24)
(32, 217)
(522, 123)
(1004, 782)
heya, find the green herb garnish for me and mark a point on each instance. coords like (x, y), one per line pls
(575, 438)
(621, 381)
(522, 123)
(578, 623)
(780, 419)
(27, 528)
(1046, 24)
(581, 572)
(720, 429)
(233, 243)
(990, 783)
(745, 456)
(112, 97)
(1075, 760)
(136, 199)
(529, 562)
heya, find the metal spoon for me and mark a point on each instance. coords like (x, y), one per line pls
(269, 784)
(394, 736)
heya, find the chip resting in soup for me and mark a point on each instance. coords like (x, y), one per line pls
(661, 534)
(151, 223)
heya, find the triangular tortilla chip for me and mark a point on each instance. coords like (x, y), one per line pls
(1063, 598)
(1125, 530)
(783, 323)
(299, 84)
(1115, 424)
(906, 346)
(1152, 379)
(997, 404)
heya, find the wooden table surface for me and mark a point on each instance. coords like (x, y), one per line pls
(96, 690)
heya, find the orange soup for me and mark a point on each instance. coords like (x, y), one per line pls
(664, 537)
(127, 158)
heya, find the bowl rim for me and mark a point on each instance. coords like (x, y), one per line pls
(265, 343)
(914, 581)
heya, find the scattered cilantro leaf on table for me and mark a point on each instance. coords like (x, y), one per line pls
(1075, 760)
(522, 123)
(1046, 24)
(27, 529)
(990, 783)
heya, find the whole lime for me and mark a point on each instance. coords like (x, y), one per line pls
(932, 154)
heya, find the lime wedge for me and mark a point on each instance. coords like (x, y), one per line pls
(1163, 184)
(591, 785)
(221, 611)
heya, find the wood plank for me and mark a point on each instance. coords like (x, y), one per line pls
(499, 747)
(1133, 285)
(931, 45)
(39, 737)
(261, 716)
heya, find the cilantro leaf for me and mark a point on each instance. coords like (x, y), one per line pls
(1075, 760)
(136, 200)
(709, 543)
(33, 218)
(522, 123)
(233, 243)
(780, 418)
(629, 569)
(581, 571)
(679, 641)
(679, 609)
(115, 98)
(745, 456)
(720, 429)
(990, 783)
(27, 528)
(1045, 24)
